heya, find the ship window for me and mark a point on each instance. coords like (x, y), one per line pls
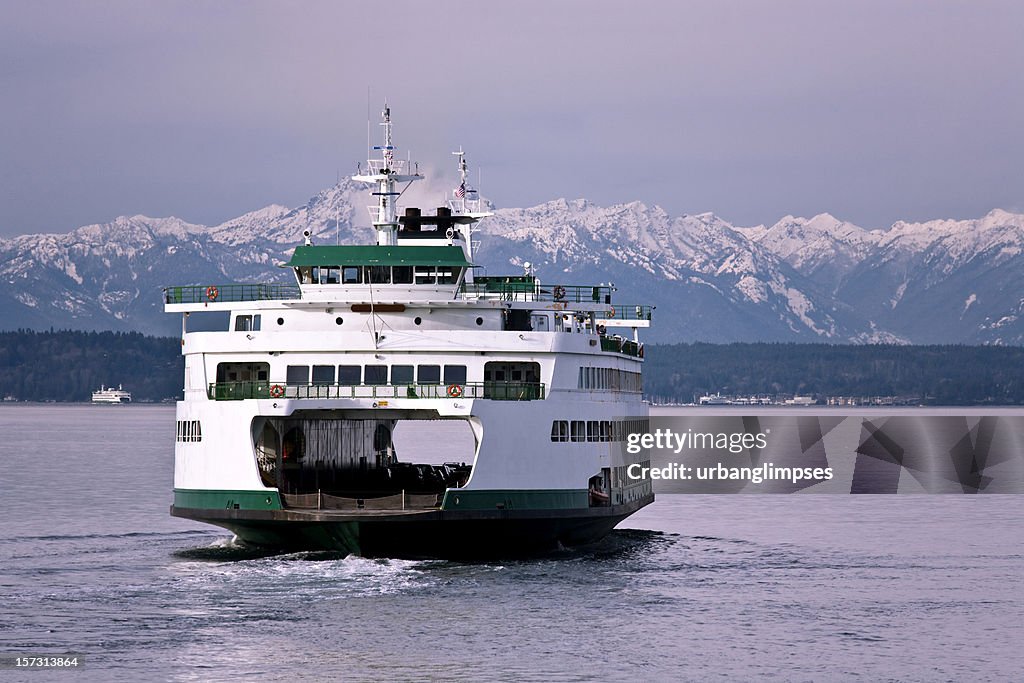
(455, 374)
(593, 430)
(380, 275)
(446, 276)
(305, 275)
(401, 275)
(243, 323)
(242, 372)
(329, 275)
(579, 432)
(376, 374)
(401, 374)
(559, 430)
(512, 381)
(298, 374)
(606, 430)
(428, 374)
(349, 375)
(350, 275)
(323, 374)
(425, 276)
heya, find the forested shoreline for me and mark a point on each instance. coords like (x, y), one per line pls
(930, 375)
(69, 365)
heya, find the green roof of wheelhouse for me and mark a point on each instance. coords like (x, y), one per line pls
(376, 255)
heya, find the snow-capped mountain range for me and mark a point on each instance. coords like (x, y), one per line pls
(802, 279)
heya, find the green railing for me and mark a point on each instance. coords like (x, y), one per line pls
(495, 391)
(619, 345)
(236, 391)
(197, 294)
(525, 288)
(626, 312)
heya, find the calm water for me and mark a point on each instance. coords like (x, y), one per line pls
(698, 587)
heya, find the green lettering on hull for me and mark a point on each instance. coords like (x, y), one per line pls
(215, 499)
(521, 499)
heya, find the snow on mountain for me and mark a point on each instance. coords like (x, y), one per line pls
(808, 279)
(913, 279)
(738, 287)
(822, 242)
(342, 204)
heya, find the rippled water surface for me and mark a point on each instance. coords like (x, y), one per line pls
(725, 587)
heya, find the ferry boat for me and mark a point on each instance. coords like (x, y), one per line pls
(285, 434)
(111, 395)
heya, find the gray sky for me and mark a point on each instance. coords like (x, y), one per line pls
(873, 111)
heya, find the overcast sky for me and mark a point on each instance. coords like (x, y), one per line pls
(872, 111)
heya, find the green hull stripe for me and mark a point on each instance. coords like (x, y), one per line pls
(522, 499)
(500, 499)
(211, 499)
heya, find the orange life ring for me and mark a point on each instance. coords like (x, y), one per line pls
(212, 293)
(454, 390)
(276, 391)
(611, 313)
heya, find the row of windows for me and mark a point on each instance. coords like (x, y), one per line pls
(189, 431)
(351, 375)
(611, 379)
(378, 275)
(596, 430)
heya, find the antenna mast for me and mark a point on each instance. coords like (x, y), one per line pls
(386, 173)
(465, 204)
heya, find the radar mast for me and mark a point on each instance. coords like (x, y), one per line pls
(387, 172)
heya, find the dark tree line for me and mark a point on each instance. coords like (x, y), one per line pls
(935, 375)
(69, 365)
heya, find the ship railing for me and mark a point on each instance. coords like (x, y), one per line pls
(617, 344)
(629, 312)
(495, 391)
(526, 288)
(199, 294)
(369, 501)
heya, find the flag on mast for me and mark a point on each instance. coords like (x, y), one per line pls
(460, 192)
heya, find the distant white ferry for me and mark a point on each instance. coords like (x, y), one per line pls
(105, 395)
